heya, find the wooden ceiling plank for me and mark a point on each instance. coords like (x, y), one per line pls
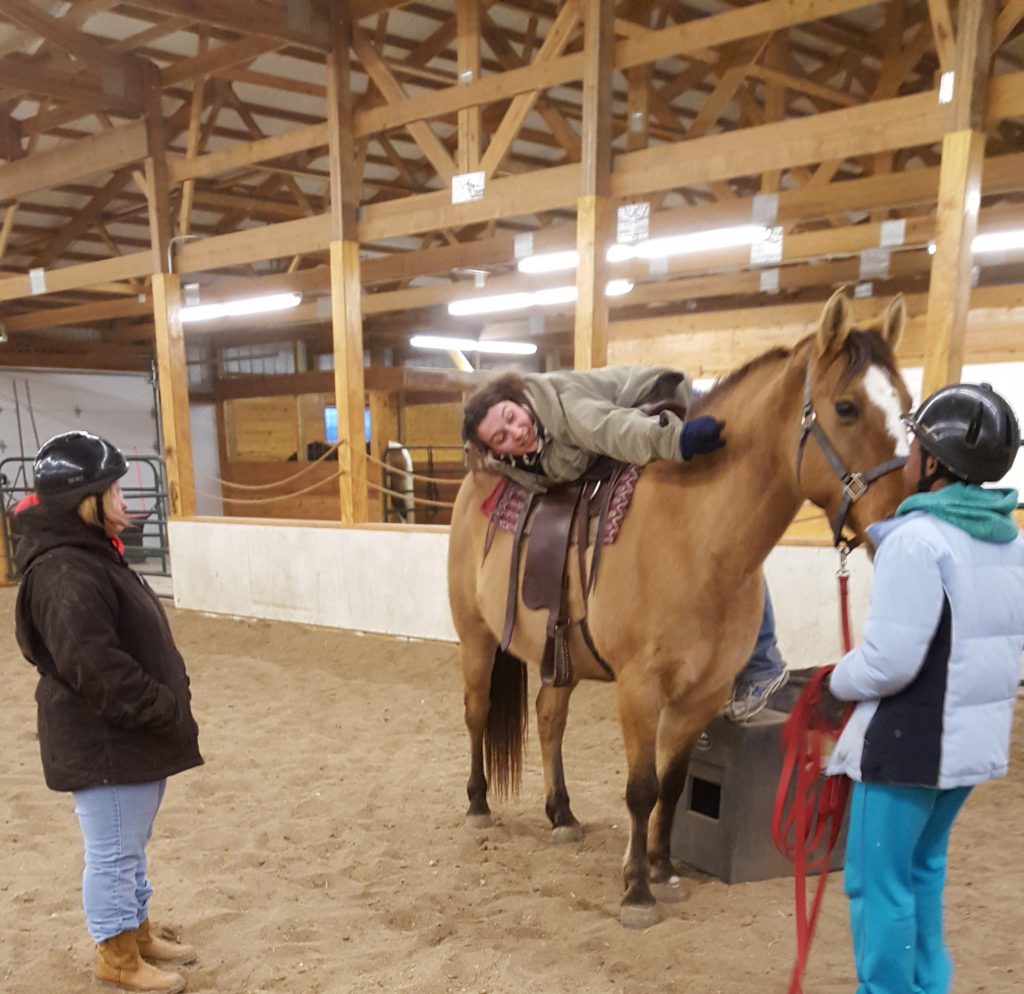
(296, 22)
(211, 62)
(733, 25)
(554, 44)
(430, 145)
(84, 219)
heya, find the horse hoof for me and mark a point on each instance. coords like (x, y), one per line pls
(478, 821)
(671, 891)
(565, 834)
(639, 916)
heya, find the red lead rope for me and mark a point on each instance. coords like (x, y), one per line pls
(806, 826)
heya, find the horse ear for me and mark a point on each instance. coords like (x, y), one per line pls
(895, 321)
(835, 323)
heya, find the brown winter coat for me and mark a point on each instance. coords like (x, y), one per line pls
(113, 695)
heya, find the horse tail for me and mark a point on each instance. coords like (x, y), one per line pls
(507, 724)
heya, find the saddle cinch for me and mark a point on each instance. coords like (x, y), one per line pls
(596, 502)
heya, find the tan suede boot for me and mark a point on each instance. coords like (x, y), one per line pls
(118, 962)
(161, 947)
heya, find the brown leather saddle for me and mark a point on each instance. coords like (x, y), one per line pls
(551, 520)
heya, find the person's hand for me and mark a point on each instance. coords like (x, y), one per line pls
(700, 436)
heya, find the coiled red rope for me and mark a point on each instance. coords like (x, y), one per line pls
(809, 807)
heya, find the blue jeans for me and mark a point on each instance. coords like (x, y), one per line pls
(765, 661)
(894, 877)
(116, 823)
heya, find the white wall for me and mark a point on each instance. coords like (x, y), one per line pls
(383, 579)
(392, 580)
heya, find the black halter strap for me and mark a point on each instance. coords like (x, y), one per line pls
(855, 485)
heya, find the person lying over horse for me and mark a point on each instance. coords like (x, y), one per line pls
(544, 429)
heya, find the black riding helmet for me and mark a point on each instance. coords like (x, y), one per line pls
(71, 466)
(970, 429)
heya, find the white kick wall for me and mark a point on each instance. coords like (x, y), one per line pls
(392, 580)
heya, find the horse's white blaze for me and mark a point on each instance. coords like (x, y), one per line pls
(883, 394)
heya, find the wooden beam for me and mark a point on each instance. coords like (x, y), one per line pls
(429, 144)
(1010, 16)
(102, 153)
(78, 315)
(85, 218)
(594, 209)
(467, 43)
(295, 22)
(554, 44)
(942, 30)
(963, 159)
(73, 41)
(346, 313)
(124, 267)
(117, 89)
(172, 372)
(733, 25)
(211, 62)
(158, 196)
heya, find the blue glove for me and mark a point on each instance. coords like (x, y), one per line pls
(701, 435)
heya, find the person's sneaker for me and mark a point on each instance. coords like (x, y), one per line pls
(751, 697)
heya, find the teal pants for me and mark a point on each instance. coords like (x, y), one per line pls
(894, 877)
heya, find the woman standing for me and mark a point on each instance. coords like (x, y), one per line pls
(113, 697)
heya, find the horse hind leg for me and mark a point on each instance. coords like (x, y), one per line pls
(496, 719)
(552, 714)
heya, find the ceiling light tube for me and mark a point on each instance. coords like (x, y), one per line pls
(446, 344)
(240, 308)
(998, 241)
(701, 241)
(549, 262)
(490, 305)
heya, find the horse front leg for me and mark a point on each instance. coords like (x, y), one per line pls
(552, 714)
(476, 656)
(638, 713)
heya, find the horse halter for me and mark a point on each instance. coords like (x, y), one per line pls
(855, 485)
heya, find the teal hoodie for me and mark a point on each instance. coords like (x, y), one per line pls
(985, 514)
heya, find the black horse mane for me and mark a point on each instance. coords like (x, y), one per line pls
(861, 349)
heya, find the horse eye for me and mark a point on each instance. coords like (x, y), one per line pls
(847, 410)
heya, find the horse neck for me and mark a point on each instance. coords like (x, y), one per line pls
(757, 479)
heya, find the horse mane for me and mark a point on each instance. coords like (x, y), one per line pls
(861, 348)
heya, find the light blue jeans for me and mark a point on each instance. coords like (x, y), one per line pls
(765, 661)
(117, 822)
(894, 877)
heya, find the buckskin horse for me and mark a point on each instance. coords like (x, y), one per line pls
(676, 607)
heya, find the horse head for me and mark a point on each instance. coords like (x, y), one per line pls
(853, 444)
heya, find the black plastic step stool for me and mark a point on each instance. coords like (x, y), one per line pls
(723, 824)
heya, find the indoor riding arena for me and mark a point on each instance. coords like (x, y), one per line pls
(268, 249)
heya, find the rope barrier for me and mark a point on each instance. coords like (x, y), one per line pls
(415, 476)
(276, 483)
(270, 500)
(415, 500)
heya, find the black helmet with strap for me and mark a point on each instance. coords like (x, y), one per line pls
(970, 429)
(71, 466)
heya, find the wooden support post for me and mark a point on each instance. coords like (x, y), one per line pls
(172, 370)
(346, 291)
(174, 409)
(594, 208)
(467, 16)
(963, 156)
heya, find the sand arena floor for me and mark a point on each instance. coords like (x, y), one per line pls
(322, 848)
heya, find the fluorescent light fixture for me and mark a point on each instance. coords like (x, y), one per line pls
(998, 241)
(549, 262)
(444, 344)
(538, 298)
(701, 241)
(620, 252)
(490, 305)
(555, 295)
(240, 308)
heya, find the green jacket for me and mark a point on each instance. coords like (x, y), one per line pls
(592, 413)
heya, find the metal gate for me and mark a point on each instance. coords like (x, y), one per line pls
(145, 491)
